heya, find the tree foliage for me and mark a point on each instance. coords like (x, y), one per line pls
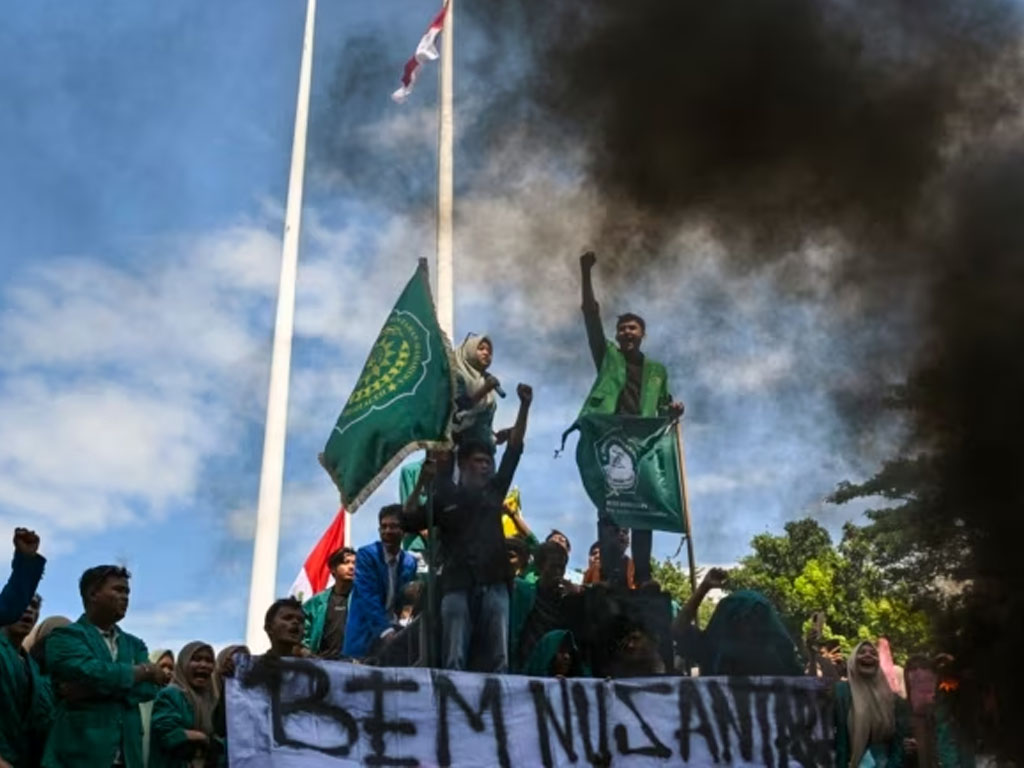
(674, 578)
(802, 573)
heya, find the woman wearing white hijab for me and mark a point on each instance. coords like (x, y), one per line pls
(182, 729)
(475, 403)
(868, 733)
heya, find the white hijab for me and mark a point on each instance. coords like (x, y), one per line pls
(470, 371)
(871, 716)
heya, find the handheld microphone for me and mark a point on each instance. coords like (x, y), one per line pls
(498, 389)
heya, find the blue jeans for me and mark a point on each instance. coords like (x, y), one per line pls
(475, 622)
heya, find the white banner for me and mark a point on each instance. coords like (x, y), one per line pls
(301, 713)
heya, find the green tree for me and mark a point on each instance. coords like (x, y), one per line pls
(801, 572)
(674, 578)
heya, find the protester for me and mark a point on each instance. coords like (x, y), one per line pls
(867, 731)
(327, 611)
(627, 383)
(283, 623)
(382, 571)
(475, 573)
(35, 643)
(26, 700)
(26, 573)
(555, 655)
(744, 636)
(561, 539)
(593, 573)
(544, 612)
(634, 650)
(475, 403)
(162, 657)
(518, 556)
(101, 674)
(625, 562)
(183, 714)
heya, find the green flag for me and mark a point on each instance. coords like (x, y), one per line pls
(401, 403)
(630, 469)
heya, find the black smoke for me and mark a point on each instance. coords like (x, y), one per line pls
(889, 129)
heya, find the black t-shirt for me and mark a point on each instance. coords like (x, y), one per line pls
(472, 540)
(333, 639)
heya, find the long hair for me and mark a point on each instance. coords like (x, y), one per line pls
(203, 702)
(871, 716)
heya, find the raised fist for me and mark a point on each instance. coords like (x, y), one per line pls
(716, 578)
(525, 392)
(588, 260)
(26, 541)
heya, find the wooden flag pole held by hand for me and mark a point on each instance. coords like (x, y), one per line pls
(681, 456)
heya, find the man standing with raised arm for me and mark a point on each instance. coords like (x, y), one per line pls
(628, 384)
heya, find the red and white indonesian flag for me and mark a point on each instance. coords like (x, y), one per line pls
(315, 575)
(425, 51)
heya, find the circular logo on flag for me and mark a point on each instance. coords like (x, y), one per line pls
(395, 368)
(618, 464)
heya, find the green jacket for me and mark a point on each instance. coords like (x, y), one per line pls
(89, 733)
(26, 707)
(891, 752)
(172, 716)
(316, 616)
(524, 595)
(611, 378)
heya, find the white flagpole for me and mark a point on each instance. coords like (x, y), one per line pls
(268, 514)
(445, 186)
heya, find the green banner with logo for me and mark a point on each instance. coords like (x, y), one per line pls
(401, 403)
(631, 471)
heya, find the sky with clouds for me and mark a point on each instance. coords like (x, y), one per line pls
(146, 155)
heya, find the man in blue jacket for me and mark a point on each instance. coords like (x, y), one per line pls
(382, 570)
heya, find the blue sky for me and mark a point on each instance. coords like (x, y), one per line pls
(146, 154)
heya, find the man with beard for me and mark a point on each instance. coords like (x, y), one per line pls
(26, 704)
(100, 675)
(475, 573)
(630, 384)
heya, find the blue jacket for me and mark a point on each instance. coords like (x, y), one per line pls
(26, 571)
(367, 613)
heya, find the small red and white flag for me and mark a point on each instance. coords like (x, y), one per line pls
(425, 51)
(315, 575)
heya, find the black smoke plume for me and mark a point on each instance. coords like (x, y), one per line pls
(889, 129)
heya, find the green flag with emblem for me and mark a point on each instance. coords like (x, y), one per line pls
(401, 403)
(630, 467)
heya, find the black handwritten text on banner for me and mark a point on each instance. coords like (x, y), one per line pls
(304, 713)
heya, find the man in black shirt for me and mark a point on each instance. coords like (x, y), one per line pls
(327, 611)
(475, 573)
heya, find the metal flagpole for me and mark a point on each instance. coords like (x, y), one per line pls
(445, 179)
(268, 513)
(681, 456)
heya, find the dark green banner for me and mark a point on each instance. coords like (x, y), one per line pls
(401, 403)
(630, 469)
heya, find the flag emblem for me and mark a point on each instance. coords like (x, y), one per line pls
(618, 464)
(397, 366)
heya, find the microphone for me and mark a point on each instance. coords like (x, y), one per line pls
(498, 389)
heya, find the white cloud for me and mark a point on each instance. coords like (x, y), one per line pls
(118, 381)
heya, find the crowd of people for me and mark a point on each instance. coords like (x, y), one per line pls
(86, 693)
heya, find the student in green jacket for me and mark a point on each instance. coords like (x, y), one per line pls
(183, 722)
(26, 704)
(327, 611)
(100, 675)
(630, 384)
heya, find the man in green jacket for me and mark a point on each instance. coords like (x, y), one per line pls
(630, 384)
(26, 704)
(100, 675)
(327, 611)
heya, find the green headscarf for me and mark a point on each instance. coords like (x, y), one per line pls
(745, 636)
